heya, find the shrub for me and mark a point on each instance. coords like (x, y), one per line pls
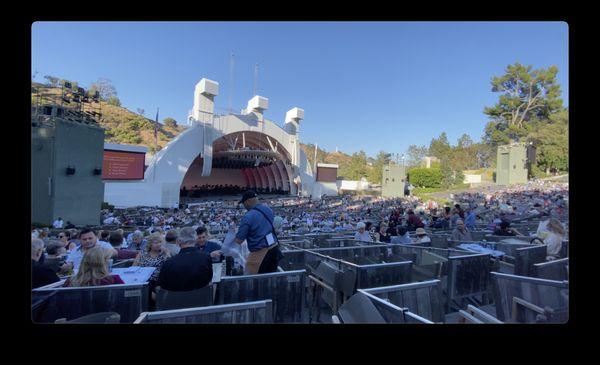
(113, 100)
(426, 178)
(537, 173)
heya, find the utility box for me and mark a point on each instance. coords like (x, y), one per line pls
(66, 170)
(511, 164)
(393, 180)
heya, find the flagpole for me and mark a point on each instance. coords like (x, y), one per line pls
(155, 146)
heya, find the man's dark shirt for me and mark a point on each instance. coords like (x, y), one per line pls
(501, 232)
(415, 221)
(190, 269)
(42, 275)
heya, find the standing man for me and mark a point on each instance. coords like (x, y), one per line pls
(257, 229)
(58, 223)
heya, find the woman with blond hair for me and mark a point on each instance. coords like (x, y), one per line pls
(93, 270)
(554, 237)
(154, 255)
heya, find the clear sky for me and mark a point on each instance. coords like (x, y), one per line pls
(363, 85)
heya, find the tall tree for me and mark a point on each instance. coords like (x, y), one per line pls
(170, 122)
(465, 141)
(415, 154)
(552, 142)
(52, 81)
(440, 147)
(105, 88)
(526, 93)
(379, 161)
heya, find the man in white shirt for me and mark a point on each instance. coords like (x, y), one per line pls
(58, 223)
(88, 240)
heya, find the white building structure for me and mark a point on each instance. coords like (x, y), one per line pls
(189, 158)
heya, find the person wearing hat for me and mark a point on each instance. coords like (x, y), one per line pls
(422, 237)
(256, 228)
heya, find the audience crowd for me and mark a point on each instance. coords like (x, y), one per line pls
(181, 244)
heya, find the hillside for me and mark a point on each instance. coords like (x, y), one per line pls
(121, 124)
(127, 127)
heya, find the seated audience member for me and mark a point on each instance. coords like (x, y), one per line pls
(88, 240)
(403, 235)
(461, 233)
(74, 239)
(40, 275)
(154, 255)
(69, 225)
(171, 242)
(137, 241)
(64, 238)
(362, 234)
(55, 258)
(209, 247)
(422, 237)
(414, 221)
(93, 270)
(382, 235)
(470, 219)
(369, 228)
(505, 230)
(103, 235)
(116, 241)
(391, 231)
(554, 238)
(44, 235)
(447, 218)
(190, 269)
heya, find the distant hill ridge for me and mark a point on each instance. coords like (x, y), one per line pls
(121, 124)
(126, 127)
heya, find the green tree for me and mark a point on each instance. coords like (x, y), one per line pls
(465, 141)
(170, 122)
(113, 100)
(415, 154)
(440, 147)
(526, 94)
(376, 171)
(552, 143)
(357, 167)
(105, 88)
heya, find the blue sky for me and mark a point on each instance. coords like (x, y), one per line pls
(363, 85)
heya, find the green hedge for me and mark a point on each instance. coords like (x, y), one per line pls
(426, 178)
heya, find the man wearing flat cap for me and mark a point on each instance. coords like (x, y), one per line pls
(256, 227)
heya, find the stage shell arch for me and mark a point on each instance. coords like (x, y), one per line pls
(166, 172)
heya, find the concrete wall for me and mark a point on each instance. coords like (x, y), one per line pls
(76, 198)
(327, 188)
(42, 169)
(515, 171)
(472, 179)
(352, 185)
(393, 180)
